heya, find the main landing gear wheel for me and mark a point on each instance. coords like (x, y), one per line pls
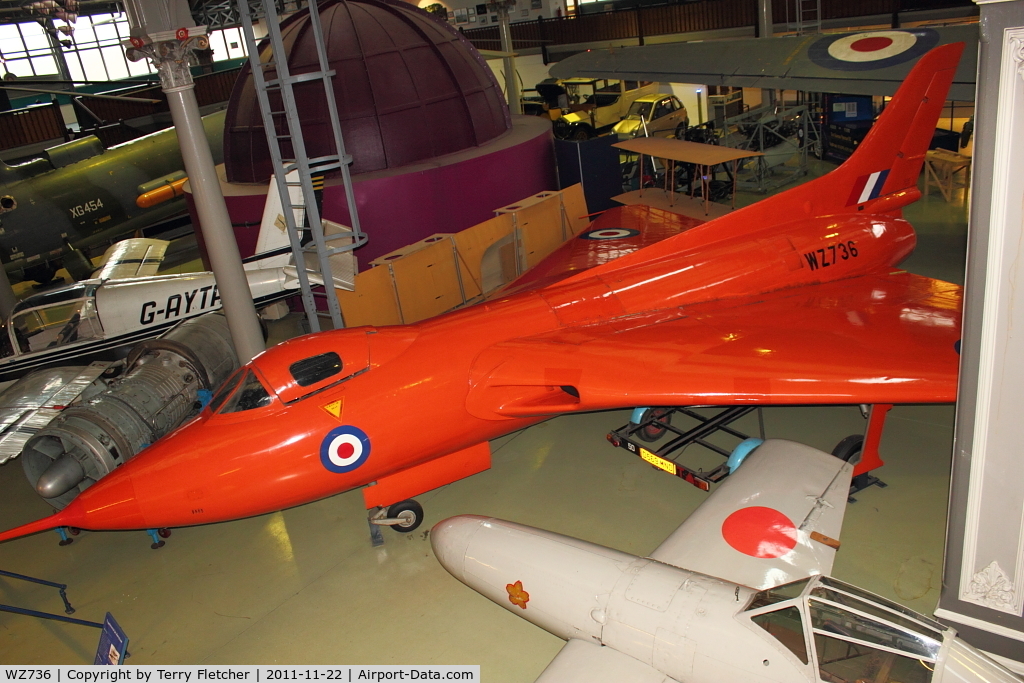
(654, 431)
(411, 514)
(849, 448)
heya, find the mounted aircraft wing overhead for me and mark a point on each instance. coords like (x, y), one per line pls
(863, 63)
(795, 299)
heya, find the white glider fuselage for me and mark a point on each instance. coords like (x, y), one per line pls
(684, 626)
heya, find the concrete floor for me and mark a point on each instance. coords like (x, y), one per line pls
(304, 585)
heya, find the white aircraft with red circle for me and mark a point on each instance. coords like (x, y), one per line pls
(739, 592)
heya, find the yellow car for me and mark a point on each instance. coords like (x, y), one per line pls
(662, 115)
(584, 107)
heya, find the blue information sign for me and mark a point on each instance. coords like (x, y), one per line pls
(113, 643)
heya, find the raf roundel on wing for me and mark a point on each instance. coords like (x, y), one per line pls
(872, 49)
(609, 234)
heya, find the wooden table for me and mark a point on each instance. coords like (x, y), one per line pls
(705, 157)
(941, 167)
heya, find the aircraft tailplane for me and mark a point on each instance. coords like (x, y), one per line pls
(881, 175)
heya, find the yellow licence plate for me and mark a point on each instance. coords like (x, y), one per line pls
(658, 461)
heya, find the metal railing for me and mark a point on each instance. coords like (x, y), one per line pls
(641, 20)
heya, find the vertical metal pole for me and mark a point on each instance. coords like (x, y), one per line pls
(170, 57)
(765, 25)
(218, 235)
(509, 62)
(764, 18)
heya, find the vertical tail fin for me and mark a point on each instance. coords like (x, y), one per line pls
(882, 172)
(273, 237)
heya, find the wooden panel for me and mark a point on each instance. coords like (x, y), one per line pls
(540, 229)
(373, 302)
(472, 243)
(427, 282)
(401, 252)
(575, 205)
(538, 198)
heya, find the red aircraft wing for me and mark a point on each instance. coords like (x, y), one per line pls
(616, 232)
(888, 337)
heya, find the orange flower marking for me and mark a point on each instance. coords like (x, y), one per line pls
(516, 594)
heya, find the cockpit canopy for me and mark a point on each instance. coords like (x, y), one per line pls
(50, 320)
(306, 365)
(853, 635)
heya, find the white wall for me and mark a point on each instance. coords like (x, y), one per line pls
(531, 70)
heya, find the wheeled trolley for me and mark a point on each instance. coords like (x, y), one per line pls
(649, 425)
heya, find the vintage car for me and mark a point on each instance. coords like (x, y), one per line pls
(657, 114)
(582, 108)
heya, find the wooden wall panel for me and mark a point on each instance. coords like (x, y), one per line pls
(373, 302)
(472, 243)
(575, 205)
(540, 229)
(427, 282)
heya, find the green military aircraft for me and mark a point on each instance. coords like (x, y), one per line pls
(79, 194)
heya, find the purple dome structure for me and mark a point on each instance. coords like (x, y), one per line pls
(408, 88)
(433, 145)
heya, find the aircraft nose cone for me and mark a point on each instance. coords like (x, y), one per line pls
(450, 539)
(61, 476)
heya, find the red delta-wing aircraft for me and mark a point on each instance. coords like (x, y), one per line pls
(794, 300)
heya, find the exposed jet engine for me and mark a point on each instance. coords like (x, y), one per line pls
(157, 391)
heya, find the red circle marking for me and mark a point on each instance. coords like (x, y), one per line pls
(871, 44)
(607, 233)
(759, 532)
(345, 450)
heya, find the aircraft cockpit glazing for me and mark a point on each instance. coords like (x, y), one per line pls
(243, 391)
(64, 320)
(848, 634)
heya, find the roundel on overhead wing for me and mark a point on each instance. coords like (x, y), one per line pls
(609, 234)
(872, 49)
(759, 532)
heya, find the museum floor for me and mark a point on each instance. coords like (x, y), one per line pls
(304, 585)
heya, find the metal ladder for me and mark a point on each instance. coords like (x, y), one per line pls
(305, 166)
(807, 17)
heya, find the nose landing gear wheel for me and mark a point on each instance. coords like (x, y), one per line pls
(411, 514)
